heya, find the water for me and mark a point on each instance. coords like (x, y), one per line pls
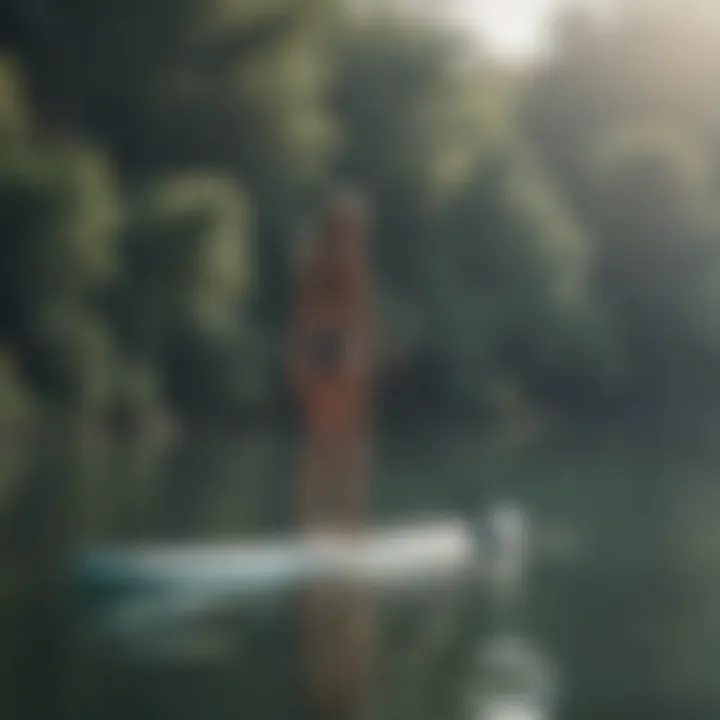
(624, 590)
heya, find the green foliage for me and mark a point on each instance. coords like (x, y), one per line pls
(59, 211)
(555, 235)
(416, 106)
(659, 259)
(13, 104)
(72, 359)
(235, 84)
(418, 110)
(511, 271)
(186, 254)
(216, 375)
(17, 408)
(60, 216)
(623, 117)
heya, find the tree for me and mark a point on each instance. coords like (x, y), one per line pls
(183, 296)
(659, 259)
(60, 211)
(623, 118)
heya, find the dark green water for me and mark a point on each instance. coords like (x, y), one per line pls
(624, 592)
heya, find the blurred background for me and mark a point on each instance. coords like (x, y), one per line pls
(546, 177)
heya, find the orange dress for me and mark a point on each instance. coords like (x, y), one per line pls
(331, 368)
(332, 363)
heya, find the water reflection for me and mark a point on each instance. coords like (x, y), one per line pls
(631, 612)
(514, 681)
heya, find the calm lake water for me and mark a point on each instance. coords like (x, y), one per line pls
(624, 592)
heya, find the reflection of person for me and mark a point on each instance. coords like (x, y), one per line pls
(331, 367)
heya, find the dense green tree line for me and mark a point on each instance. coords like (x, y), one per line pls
(546, 237)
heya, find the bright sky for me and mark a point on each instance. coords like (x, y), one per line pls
(511, 27)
